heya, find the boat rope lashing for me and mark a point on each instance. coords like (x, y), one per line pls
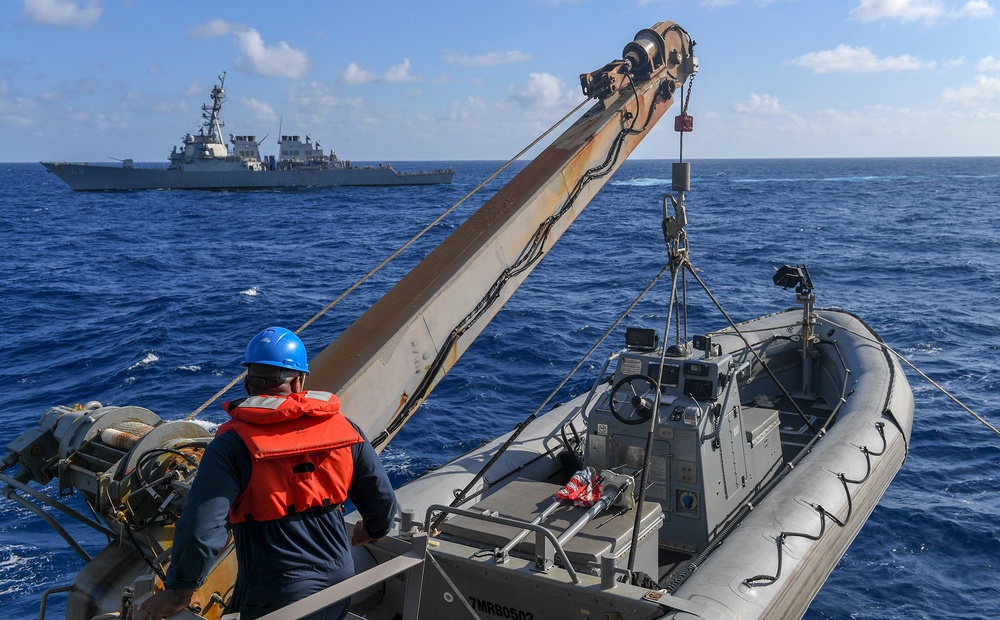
(923, 376)
(766, 580)
(399, 251)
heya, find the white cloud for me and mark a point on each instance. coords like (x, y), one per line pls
(916, 10)
(195, 89)
(256, 57)
(543, 90)
(988, 65)
(170, 107)
(262, 112)
(760, 104)
(721, 3)
(54, 96)
(213, 29)
(356, 75)
(974, 9)
(87, 85)
(63, 13)
(464, 110)
(858, 60)
(400, 74)
(904, 10)
(318, 96)
(491, 59)
(982, 91)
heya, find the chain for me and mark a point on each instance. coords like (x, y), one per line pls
(687, 99)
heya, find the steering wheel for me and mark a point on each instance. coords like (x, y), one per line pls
(633, 399)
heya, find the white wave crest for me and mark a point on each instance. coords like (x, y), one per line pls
(151, 358)
(211, 427)
(19, 568)
(250, 292)
(396, 460)
(646, 182)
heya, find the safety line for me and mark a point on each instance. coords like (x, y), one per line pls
(923, 376)
(399, 251)
(530, 254)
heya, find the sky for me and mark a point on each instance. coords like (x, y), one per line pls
(452, 80)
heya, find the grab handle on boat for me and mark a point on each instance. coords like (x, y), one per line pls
(545, 541)
(501, 555)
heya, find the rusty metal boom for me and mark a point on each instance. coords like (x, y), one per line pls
(393, 355)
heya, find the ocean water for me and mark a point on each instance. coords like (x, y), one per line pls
(148, 298)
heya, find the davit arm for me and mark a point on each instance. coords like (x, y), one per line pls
(387, 362)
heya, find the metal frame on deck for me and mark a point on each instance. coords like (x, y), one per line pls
(409, 561)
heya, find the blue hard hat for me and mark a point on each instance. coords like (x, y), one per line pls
(277, 346)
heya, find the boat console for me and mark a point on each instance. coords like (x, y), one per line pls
(709, 451)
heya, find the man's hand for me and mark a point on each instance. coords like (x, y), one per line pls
(360, 535)
(164, 603)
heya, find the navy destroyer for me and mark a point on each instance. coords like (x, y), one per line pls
(719, 476)
(205, 161)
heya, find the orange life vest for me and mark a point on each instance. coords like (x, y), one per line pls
(301, 450)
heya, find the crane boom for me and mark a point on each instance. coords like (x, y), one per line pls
(387, 362)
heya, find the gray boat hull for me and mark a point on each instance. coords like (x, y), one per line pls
(879, 396)
(88, 177)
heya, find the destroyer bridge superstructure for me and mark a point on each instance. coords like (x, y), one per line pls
(206, 161)
(717, 476)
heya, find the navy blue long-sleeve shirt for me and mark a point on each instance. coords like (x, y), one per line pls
(280, 561)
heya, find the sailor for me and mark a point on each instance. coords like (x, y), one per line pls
(277, 474)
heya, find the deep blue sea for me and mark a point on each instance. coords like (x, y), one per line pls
(148, 298)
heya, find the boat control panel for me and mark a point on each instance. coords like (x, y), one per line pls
(708, 453)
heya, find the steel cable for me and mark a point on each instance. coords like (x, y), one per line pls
(399, 251)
